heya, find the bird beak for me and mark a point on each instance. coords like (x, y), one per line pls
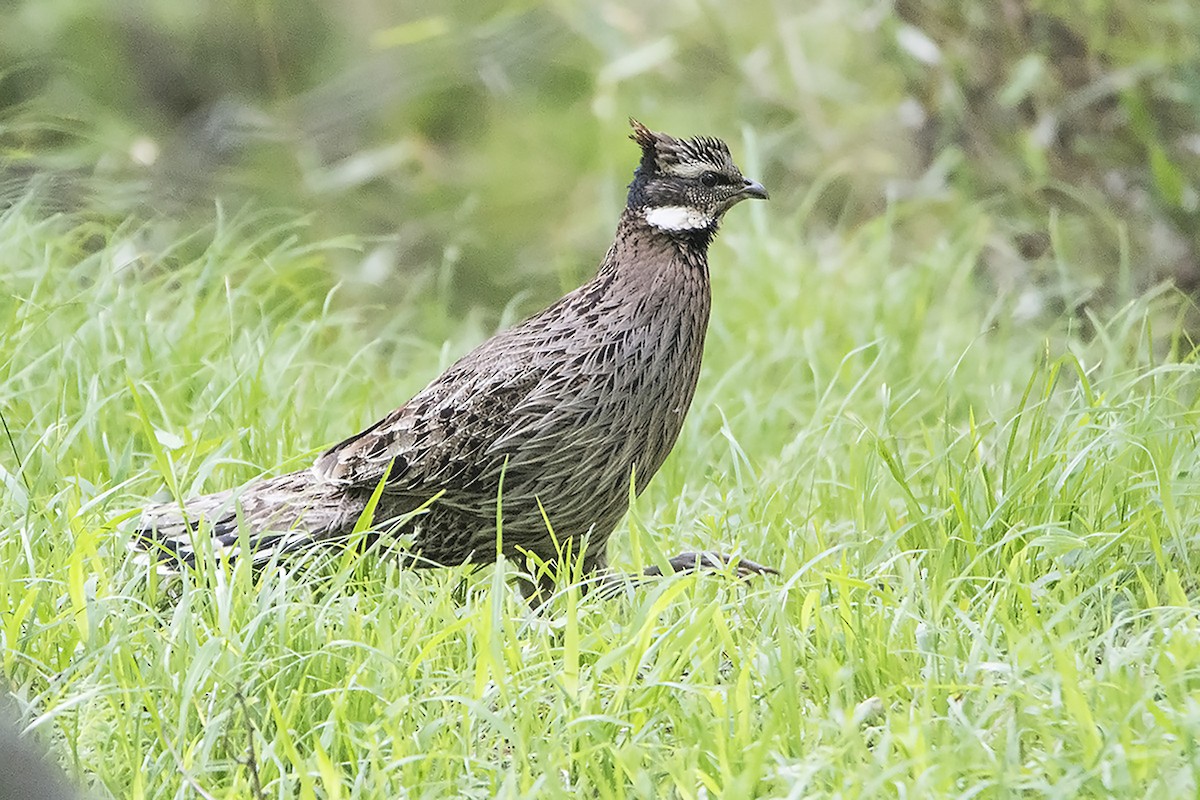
(754, 189)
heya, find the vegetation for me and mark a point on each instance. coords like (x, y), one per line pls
(973, 458)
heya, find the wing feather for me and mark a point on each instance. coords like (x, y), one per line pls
(436, 441)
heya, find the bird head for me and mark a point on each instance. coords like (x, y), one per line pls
(686, 184)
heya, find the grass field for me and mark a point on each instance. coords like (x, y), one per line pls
(986, 529)
(941, 394)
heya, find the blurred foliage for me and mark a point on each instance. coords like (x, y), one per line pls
(478, 149)
(1083, 113)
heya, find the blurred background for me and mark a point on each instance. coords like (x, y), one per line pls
(479, 150)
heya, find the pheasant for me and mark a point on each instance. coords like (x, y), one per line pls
(531, 442)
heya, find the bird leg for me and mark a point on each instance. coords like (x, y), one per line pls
(686, 562)
(608, 583)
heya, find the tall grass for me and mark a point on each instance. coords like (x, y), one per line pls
(987, 534)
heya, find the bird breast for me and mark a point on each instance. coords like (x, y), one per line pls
(615, 401)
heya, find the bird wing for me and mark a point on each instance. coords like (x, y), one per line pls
(439, 439)
(457, 432)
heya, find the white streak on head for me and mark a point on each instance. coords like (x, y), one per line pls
(688, 169)
(677, 218)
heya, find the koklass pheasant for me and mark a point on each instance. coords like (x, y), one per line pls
(554, 416)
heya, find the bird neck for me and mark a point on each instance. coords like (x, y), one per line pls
(689, 238)
(644, 260)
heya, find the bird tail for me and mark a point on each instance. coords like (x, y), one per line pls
(280, 515)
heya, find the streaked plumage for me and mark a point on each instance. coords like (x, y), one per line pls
(553, 415)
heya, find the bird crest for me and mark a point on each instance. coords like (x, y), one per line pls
(666, 154)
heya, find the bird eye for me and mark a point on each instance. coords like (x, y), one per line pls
(710, 179)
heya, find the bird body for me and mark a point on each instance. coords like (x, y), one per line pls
(542, 427)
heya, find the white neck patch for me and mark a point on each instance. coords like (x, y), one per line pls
(677, 218)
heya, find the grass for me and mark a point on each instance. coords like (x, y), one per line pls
(986, 529)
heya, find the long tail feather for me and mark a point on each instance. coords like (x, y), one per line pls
(283, 514)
